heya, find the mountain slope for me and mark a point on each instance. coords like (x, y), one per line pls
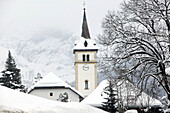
(43, 52)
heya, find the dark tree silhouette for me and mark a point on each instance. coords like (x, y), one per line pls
(111, 101)
(11, 76)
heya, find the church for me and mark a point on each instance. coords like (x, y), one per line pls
(53, 88)
(86, 90)
(85, 52)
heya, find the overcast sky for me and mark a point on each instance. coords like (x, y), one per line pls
(23, 16)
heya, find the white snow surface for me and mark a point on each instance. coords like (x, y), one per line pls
(167, 70)
(131, 111)
(14, 101)
(8, 72)
(79, 45)
(51, 80)
(97, 96)
(167, 111)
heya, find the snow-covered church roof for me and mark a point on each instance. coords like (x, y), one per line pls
(96, 98)
(52, 81)
(85, 45)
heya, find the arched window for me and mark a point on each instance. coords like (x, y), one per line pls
(88, 57)
(86, 84)
(84, 57)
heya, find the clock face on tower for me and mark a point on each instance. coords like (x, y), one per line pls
(86, 67)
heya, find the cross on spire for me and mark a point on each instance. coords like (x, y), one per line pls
(84, 4)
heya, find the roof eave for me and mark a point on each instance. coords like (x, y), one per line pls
(74, 50)
(51, 87)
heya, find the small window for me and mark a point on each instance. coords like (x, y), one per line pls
(88, 58)
(51, 94)
(85, 44)
(86, 84)
(83, 57)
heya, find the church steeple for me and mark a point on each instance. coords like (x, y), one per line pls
(85, 30)
(85, 51)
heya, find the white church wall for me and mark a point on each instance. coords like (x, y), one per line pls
(45, 93)
(88, 75)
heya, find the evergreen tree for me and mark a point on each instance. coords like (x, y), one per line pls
(11, 76)
(63, 97)
(111, 101)
(37, 78)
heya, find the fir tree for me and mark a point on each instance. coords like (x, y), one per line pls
(11, 76)
(63, 97)
(111, 101)
(37, 78)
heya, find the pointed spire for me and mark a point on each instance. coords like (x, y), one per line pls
(85, 30)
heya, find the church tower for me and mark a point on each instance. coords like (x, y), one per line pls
(85, 51)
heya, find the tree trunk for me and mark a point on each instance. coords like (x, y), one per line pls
(168, 100)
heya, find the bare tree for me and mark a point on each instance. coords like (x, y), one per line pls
(37, 78)
(137, 39)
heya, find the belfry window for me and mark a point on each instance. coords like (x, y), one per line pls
(88, 58)
(86, 84)
(84, 57)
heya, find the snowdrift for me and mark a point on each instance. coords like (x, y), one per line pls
(97, 97)
(17, 102)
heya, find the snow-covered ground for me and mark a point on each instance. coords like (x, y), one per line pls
(167, 111)
(12, 101)
(131, 111)
(97, 96)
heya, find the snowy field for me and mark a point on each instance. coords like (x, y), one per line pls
(12, 101)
